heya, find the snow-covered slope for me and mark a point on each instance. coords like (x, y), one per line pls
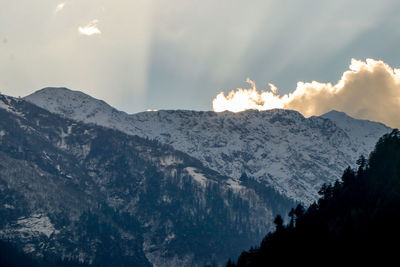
(364, 131)
(77, 105)
(281, 148)
(85, 192)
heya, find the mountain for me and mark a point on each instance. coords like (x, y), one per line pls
(362, 131)
(278, 148)
(84, 192)
(10, 256)
(80, 180)
(355, 221)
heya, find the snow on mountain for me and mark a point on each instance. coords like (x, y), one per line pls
(85, 192)
(364, 131)
(280, 148)
(76, 105)
(35, 225)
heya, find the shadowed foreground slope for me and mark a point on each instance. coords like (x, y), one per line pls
(356, 220)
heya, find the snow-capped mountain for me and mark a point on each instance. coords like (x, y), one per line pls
(89, 193)
(161, 188)
(280, 148)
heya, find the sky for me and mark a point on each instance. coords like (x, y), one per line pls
(180, 54)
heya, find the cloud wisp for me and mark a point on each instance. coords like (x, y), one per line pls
(90, 29)
(60, 7)
(368, 90)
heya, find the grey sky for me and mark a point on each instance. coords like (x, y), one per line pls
(154, 54)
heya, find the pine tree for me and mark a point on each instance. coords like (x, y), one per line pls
(355, 221)
(278, 223)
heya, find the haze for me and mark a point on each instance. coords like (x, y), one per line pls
(139, 55)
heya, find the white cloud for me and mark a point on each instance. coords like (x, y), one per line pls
(90, 29)
(60, 7)
(243, 99)
(368, 90)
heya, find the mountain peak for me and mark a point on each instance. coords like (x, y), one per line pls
(340, 115)
(56, 91)
(72, 104)
(357, 128)
(335, 113)
(60, 94)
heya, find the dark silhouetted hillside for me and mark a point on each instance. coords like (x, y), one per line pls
(356, 220)
(11, 256)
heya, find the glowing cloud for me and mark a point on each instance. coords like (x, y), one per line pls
(90, 29)
(243, 99)
(60, 7)
(368, 90)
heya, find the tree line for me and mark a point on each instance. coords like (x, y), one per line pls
(356, 220)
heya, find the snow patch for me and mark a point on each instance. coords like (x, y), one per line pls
(29, 248)
(158, 258)
(198, 177)
(85, 150)
(166, 199)
(63, 135)
(35, 225)
(170, 237)
(170, 160)
(115, 202)
(5, 104)
(235, 185)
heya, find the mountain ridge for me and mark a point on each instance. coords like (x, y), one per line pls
(89, 193)
(294, 154)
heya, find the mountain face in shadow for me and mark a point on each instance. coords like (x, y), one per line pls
(281, 148)
(356, 220)
(92, 194)
(11, 256)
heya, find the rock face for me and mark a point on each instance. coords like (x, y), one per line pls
(279, 148)
(83, 191)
